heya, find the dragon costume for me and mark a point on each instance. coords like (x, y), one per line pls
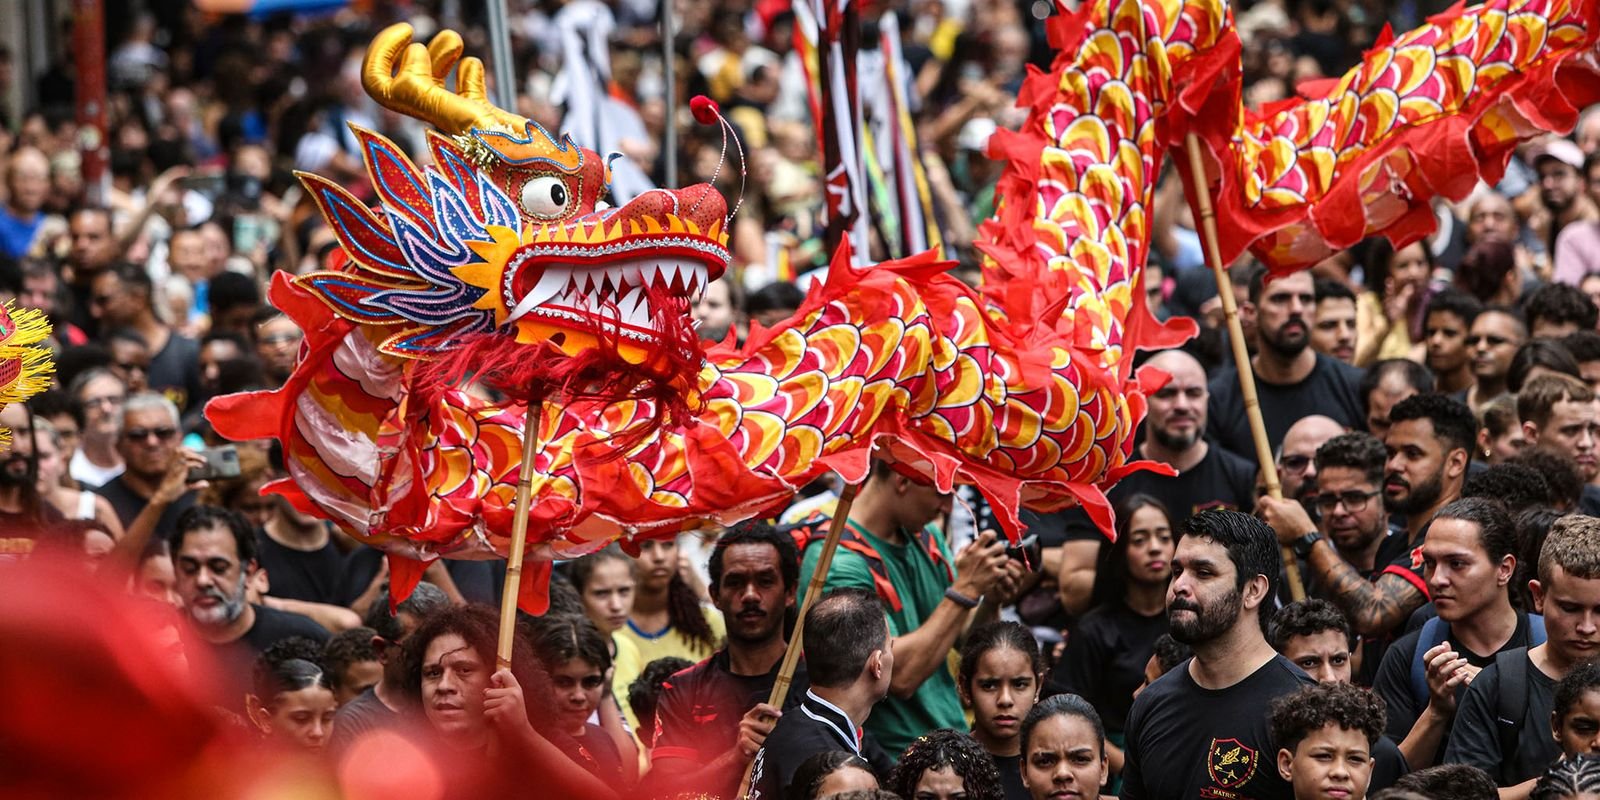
(501, 256)
(25, 366)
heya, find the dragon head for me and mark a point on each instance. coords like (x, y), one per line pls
(562, 266)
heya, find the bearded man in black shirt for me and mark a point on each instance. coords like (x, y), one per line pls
(1292, 380)
(1200, 731)
(1174, 434)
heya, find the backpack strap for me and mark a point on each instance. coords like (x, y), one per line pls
(930, 545)
(1433, 632)
(1512, 666)
(815, 528)
(1536, 633)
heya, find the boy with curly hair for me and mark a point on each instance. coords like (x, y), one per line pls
(1325, 735)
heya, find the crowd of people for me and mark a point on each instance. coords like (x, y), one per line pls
(1432, 412)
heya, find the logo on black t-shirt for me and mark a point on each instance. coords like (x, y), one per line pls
(1416, 558)
(1230, 763)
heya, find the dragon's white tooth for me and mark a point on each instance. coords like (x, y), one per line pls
(551, 284)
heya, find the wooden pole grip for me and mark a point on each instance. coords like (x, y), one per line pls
(519, 536)
(1241, 353)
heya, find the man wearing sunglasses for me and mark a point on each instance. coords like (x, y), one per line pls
(156, 465)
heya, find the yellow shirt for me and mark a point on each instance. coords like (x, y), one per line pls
(626, 668)
(672, 642)
(1395, 342)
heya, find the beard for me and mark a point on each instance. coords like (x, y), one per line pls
(1419, 499)
(1288, 344)
(1177, 442)
(225, 611)
(1210, 620)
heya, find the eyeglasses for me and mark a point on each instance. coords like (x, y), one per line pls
(1295, 463)
(281, 338)
(1353, 501)
(141, 434)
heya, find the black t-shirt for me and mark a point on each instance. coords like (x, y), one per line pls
(362, 714)
(175, 371)
(1393, 683)
(1220, 480)
(236, 659)
(1011, 785)
(1105, 658)
(478, 581)
(1589, 500)
(594, 751)
(1186, 742)
(698, 712)
(128, 503)
(1330, 390)
(1388, 765)
(315, 576)
(1475, 734)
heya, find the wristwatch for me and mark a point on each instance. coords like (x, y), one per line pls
(1302, 546)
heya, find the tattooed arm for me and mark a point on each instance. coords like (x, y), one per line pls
(1373, 607)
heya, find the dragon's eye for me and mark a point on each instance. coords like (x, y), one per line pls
(545, 197)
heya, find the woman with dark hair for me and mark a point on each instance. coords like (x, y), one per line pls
(449, 672)
(1000, 678)
(1389, 314)
(575, 654)
(1501, 436)
(827, 774)
(1106, 654)
(1489, 272)
(1537, 357)
(668, 618)
(291, 700)
(604, 582)
(945, 764)
(1063, 749)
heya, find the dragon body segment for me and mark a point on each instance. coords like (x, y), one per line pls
(1024, 389)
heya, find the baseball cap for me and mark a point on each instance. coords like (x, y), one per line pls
(1560, 149)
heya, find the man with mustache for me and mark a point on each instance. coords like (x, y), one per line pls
(1469, 560)
(712, 718)
(214, 551)
(1292, 380)
(1512, 747)
(1201, 730)
(1174, 434)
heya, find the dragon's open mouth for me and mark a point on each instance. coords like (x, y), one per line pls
(626, 295)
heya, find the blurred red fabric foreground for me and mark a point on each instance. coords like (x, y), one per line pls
(99, 699)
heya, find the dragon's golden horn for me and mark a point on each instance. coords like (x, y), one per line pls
(408, 78)
(443, 52)
(469, 80)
